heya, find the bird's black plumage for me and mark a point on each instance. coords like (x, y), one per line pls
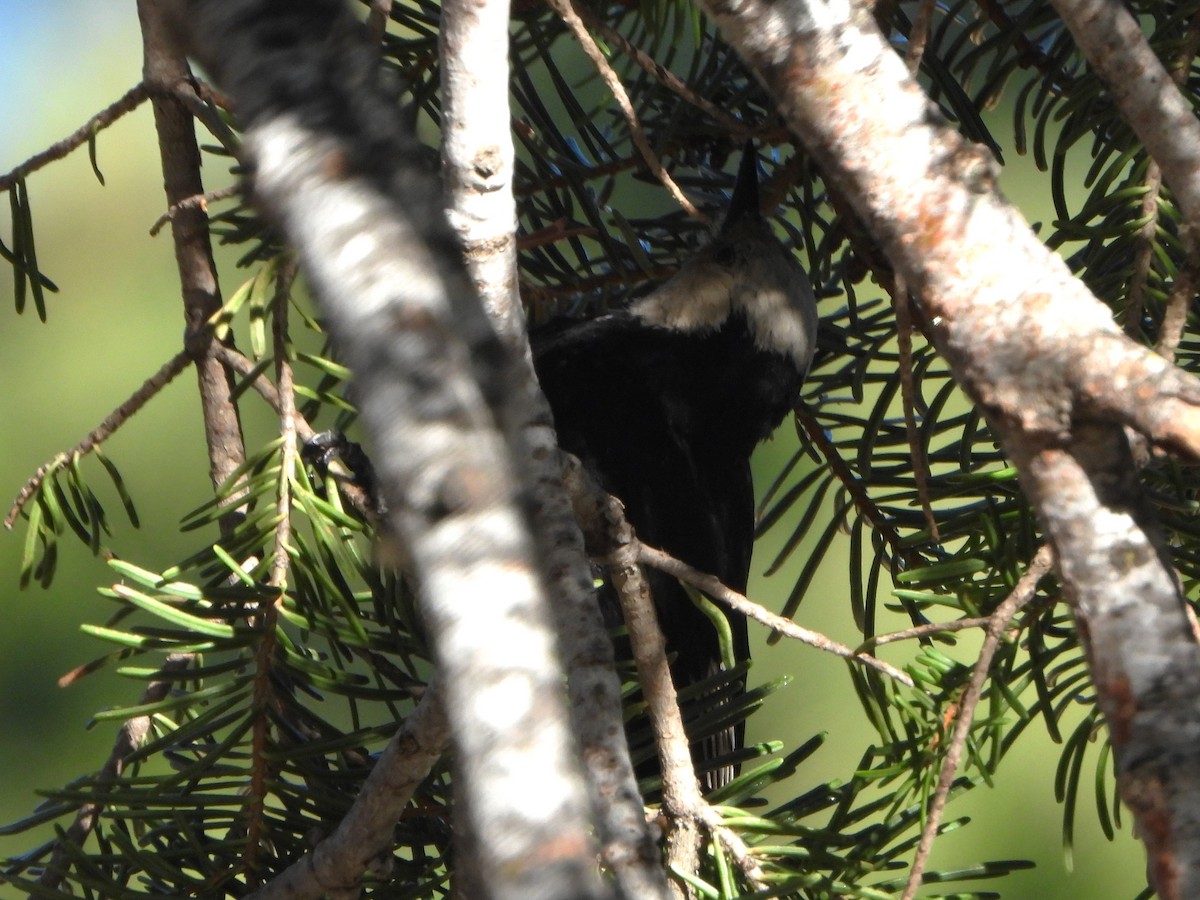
(664, 403)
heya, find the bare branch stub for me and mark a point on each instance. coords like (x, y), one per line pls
(132, 735)
(337, 865)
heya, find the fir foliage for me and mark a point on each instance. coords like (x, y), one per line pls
(349, 659)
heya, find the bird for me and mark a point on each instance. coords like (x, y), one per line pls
(665, 400)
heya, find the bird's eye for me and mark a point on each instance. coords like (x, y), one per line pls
(724, 254)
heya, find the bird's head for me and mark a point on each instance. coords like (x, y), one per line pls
(744, 269)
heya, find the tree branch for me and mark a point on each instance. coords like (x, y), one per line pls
(610, 535)
(571, 18)
(336, 169)
(1133, 624)
(1044, 359)
(101, 432)
(129, 101)
(131, 736)
(478, 153)
(1024, 338)
(163, 70)
(603, 520)
(712, 586)
(336, 866)
(1022, 593)
(1149, 99)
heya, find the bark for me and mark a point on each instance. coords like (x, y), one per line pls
(603, 517)
(336, 169)
(1046, 362)
(477, 152)
(165, 70)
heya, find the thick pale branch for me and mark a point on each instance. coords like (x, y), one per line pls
(1045, 361)
(477, 151)
(1140, 644)
(1023, 336)
(1148, 97)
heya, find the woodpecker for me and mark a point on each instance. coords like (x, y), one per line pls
(665, 401)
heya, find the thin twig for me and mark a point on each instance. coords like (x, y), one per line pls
(857, 490)
(101, 432)
(199, 99)
(267, 621)
(668, 79)
(530, 187)
(556, 231)
(569, 16)
(131, 736)
(1179, 301)
(336, 866)
(287, 423)
(1030, 53)
(196, 200)
(918, 35)
(737, 848)
(242, 365)
(1147, 235)
(377, 20)
(908, 400)
(1182, 292)
(921, 631)
(712, 587)
(1145, 240)
(1022, 593)
(128, 102)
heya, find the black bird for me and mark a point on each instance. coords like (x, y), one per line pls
(665, 401)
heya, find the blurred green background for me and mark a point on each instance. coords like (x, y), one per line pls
(118, 318)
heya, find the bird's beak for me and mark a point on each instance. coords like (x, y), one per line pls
(744, 202)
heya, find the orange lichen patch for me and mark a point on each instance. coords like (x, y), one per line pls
(1123, 704)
